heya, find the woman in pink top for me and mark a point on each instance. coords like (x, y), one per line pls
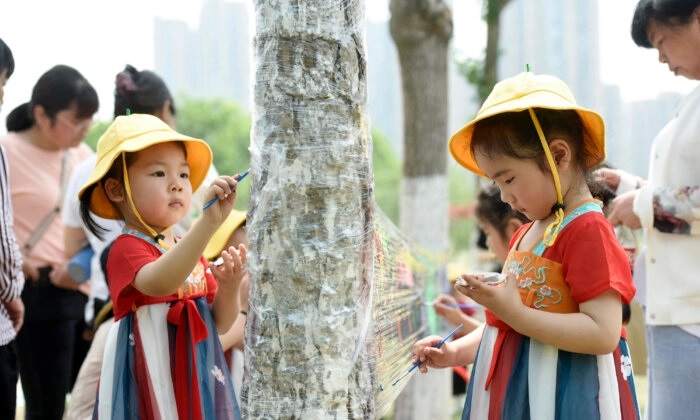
(43, 143)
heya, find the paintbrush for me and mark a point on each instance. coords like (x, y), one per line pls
(213, 200)
(454, 305)
(418, 362)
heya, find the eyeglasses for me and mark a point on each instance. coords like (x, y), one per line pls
(81, 126)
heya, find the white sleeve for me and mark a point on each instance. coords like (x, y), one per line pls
(70, 214)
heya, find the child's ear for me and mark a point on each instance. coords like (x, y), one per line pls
(561, 153)
(114, 190)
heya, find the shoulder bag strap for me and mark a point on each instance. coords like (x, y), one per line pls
(48, 219)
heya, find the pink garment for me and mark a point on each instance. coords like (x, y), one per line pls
(82, 398)
(35, 176)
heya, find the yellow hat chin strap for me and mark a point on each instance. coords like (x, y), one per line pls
(551, 232)
(157, 237)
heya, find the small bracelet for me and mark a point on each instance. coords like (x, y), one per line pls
(244, 313)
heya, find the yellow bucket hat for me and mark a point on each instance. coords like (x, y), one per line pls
(131, 133)
(526, 91)
(217, 242)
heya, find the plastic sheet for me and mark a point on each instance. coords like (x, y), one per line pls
(335, 289)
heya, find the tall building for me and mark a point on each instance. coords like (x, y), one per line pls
(557, 37)
(214, 60)
(560, 37)
(644, 121)
(210, 61)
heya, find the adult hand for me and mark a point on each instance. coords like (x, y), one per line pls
(15, 309)
(30, 272)
(59, 277)
(622, 211)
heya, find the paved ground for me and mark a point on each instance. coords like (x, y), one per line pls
(640, 382)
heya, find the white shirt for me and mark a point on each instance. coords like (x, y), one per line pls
(673, 259)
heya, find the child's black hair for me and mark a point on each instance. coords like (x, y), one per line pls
(513, 134)
(491, 209)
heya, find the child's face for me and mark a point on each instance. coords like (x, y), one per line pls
(495, 241)
(160, 185)
(524, 186)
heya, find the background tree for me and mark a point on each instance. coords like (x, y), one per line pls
(483, 73)
(422, 30)
(310, 214)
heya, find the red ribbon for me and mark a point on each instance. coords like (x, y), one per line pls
(191, 330)
(491, 319)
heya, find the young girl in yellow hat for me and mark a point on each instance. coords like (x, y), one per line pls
(553, 343)
(167, 299)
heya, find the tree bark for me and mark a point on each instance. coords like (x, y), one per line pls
(493, 33)
(310, 215)
(422, 30)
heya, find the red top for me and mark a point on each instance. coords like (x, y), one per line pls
(127, 256)
(591, 257)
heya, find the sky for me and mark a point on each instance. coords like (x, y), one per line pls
(99, 37)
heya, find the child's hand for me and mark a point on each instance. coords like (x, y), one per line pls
(501, 298)
(230, 268)
(446, 307)
(223, 191)
(430, 356)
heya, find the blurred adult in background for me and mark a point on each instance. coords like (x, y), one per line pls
(667, 206)
(43, 144)
(11, 276)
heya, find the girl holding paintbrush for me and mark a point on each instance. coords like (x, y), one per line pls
(168, 300)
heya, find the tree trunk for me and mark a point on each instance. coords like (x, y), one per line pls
(310, 215)
(422, 30)
(493, 32)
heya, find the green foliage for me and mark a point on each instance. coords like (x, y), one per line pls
(491, 10)
(462, 192)
(387, 175)
(98, 128)
(226, 127)
(473, 70)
